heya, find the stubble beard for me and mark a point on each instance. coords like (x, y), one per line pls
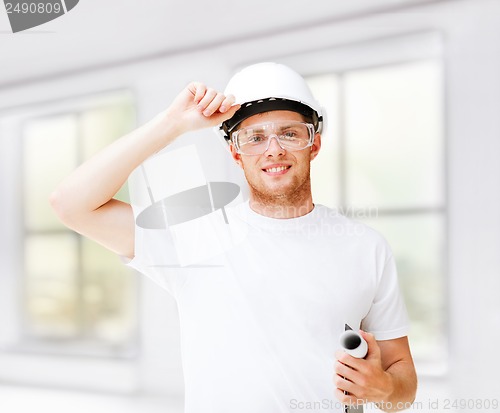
(292, 195)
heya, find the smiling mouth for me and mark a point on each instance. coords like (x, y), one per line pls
(277, 169)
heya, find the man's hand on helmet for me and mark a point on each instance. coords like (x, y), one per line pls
(199, 106)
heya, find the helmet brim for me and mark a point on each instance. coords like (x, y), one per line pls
(249, 109)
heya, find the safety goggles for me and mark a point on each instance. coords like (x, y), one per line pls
(290, 135)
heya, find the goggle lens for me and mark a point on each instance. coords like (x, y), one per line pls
(291, 135)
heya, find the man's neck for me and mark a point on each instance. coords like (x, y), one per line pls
(281, 209)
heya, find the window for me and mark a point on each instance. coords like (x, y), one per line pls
(78, 298)
(382, 162)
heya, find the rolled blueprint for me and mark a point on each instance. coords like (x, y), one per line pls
(353, 344)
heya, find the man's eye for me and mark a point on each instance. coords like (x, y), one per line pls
(290, 135)
(256, 138)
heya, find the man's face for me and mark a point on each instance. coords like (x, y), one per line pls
(291, 179)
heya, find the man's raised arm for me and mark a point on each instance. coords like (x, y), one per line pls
(84, 200)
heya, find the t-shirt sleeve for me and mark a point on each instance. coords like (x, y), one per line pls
(387, 318)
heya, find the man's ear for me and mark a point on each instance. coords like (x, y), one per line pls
(316, 146)
(235, 155)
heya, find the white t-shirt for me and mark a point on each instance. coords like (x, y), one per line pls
(260, 321)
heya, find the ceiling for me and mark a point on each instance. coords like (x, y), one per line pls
(100, 33)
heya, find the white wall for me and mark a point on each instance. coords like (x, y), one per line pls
(471, 32)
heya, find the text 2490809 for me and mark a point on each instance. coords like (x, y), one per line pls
(34, 8)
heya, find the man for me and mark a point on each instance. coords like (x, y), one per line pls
(260, 321)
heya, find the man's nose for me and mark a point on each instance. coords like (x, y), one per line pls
(274, 148)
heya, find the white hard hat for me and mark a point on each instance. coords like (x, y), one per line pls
(264, 87)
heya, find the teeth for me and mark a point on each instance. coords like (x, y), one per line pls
(278, 169)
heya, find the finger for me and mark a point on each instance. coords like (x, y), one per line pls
(232, 110)
(339, 354)
(347, 399)
(214, 106)
(348, 373)
(198, 90)
(343, 384)
(344, 370)
(222, 117)
(226, 103)
(210, 94)
(373, 348)
(348, 360)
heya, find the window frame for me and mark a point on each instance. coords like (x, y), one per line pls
(376, 53)
(28, 364)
